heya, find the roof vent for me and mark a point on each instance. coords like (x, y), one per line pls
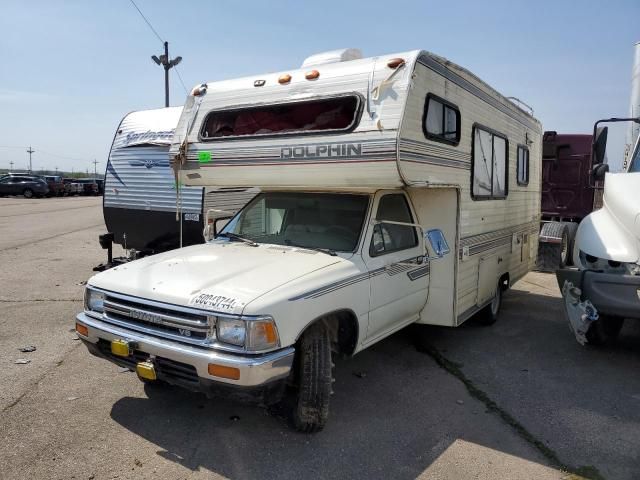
(333, 56)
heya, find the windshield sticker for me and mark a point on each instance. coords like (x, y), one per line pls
(204, 157)
(217, 302)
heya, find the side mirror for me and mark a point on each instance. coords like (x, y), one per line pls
(600, 145)
(438, 242)
(219, 224)
(599, 170)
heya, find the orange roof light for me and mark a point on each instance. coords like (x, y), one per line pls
(285, 78)
(395, 62)
(312, 75)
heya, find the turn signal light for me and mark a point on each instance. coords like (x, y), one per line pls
(285, 78)
(82, 330)
(224, 372)
(312, 75)
(395, 62)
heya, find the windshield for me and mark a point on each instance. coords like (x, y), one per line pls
(312, 220)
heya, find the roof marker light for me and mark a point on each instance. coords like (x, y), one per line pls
(395, 62)
(199, 90)
(284, 78)
(312, 75)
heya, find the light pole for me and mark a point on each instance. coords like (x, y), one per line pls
(95, 168)
(11, 166)
(167, 64)
(30, 151)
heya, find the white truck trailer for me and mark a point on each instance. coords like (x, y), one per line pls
(394, 190)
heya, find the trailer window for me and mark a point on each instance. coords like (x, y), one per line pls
(523, 165)
(389, 237)
(441, 121)
(336, 114)
(489, 165)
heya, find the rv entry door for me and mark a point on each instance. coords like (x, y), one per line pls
(397, 267)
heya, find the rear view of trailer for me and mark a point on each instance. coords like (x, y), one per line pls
(140, 198)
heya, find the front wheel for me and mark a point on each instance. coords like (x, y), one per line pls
(28, 193)
(314, 380)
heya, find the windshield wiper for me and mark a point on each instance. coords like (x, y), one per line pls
(235, 236)
(328, 251)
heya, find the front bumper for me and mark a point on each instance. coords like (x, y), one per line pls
(187, 365)
(611, 294)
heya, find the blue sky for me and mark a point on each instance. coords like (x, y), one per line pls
(71, 70)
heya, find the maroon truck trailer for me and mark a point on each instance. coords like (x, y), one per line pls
(569, 193)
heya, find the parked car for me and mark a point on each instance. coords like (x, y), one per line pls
(56, 185)
(89, 186)
(71, 186)
(28, 185)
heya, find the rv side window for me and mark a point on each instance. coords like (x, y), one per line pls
(388, 237)
(523, 165)
(328, 115)
(441, 121)
(490, 152)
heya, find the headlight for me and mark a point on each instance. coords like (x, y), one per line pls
(254, 335)
(232, 331)
(93, 300)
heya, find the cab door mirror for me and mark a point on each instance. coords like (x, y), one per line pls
(438, 242)
(599, 170)
(600, 145)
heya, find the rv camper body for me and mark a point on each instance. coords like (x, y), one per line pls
(389, 196)
(140, 198)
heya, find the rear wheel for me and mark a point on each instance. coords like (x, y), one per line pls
(28, 193)
(604, 330)
(489, 314)
(314, 380)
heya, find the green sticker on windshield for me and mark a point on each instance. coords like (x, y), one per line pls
(204, 157)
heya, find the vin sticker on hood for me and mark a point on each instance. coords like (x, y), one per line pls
(216, 302)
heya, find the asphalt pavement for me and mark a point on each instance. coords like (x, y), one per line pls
(520, 399)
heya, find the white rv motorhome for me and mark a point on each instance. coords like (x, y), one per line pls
(394, 190)
(139, 203)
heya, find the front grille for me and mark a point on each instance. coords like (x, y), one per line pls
(167, 321)
(169, 370)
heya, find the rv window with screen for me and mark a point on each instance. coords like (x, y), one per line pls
(441, 121)
(489, 165)
(523, 165)
(388, 237)
(337, 114)
(635, 161)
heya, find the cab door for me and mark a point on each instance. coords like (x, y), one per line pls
(398, 271)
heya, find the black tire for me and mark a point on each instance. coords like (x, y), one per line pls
(604, 331)
(489, 314)
(27, 193)
(552, 256)
(572, 228)
(314, 380)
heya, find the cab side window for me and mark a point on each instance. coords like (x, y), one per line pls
(389, 237)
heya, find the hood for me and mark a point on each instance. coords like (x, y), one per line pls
(613, 232)
(219, 276)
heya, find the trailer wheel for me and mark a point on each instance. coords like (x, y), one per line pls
(28, 193)
(489, 314)
(552, 256)
(313, 364)
(604, 330)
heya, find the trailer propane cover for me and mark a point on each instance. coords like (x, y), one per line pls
(581, 314)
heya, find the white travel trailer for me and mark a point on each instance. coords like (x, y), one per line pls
(395, 189)
(139, 204)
